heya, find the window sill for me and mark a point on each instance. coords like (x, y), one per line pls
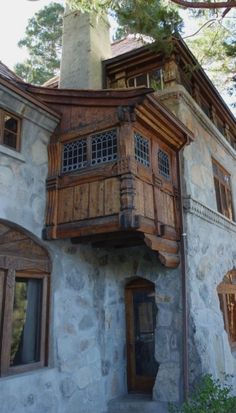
(10, 152)
(37, 371)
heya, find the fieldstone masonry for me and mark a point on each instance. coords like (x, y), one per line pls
(87, 363)
(211, 238)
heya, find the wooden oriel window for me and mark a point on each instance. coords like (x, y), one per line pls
(9, 130)
(227, 296)
(223, 190)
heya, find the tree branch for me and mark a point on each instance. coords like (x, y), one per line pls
(204, 5)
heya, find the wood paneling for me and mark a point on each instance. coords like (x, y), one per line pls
(96, 199)
(148, 201)
(139, 201)
(81, 202)
(112, 196)
(65, 205)
(165, 207)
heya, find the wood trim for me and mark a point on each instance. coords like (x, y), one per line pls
(23, 258)
(7, 321)
(19, 91)
(135, 382)
(17, 134)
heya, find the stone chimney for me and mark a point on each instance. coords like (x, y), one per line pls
(85, 44)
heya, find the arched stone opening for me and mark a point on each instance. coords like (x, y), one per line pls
(24, 300)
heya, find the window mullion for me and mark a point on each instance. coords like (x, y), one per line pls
(89, 150)
(7, 321)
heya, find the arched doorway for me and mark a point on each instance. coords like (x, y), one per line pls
(141, 313)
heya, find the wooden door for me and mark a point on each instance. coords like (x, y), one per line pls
(140, 325)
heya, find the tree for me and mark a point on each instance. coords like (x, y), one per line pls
(101, 6)
(215, 49)
(43, 41)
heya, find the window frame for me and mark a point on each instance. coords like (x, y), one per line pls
(145, 163)
(3, 113)
(162, 175)
(7, 301)
(220, 185)
(148, 81)
(225, 288)
(89, 153)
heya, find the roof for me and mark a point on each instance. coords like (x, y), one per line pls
(127, 44)
(9, 75)
(118, 48)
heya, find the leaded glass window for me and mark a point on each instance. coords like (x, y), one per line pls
(163, 164)
(142, 149)
(104, 147)
(74, 155)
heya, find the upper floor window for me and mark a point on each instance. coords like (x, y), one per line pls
(152, 79)
(104, 147)
(74, 155)
(227, 296)
(9, 130)
(94, 150)
(24, 297)
(222, 190)
(163, 164)
(142, 150)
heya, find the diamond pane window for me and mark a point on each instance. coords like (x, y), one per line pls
(142, 149)
(163, 164)
(74, 156)
(104, 147)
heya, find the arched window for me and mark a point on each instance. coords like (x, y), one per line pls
(227, 296)
(24, 300)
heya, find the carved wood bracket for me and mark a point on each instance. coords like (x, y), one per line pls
(126, 113)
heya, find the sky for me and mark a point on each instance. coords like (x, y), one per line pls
(14, 15)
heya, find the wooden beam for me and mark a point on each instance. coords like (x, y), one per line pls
(169, 260)
(161, 244)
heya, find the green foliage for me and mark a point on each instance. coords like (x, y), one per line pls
(157, 19)
(153, 18)
(215, 49)
(209, 397)
(43, 41)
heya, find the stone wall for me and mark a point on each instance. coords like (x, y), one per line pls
(211, 238)
(87, 355)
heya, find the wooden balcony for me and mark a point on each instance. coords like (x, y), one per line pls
(113, 177)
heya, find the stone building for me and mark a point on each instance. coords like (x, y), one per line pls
(117, 231)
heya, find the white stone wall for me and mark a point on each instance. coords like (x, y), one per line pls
(211, 238)
(23, 174)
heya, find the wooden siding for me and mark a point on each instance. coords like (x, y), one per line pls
(90, 200)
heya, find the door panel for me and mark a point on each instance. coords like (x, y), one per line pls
(140, 321)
